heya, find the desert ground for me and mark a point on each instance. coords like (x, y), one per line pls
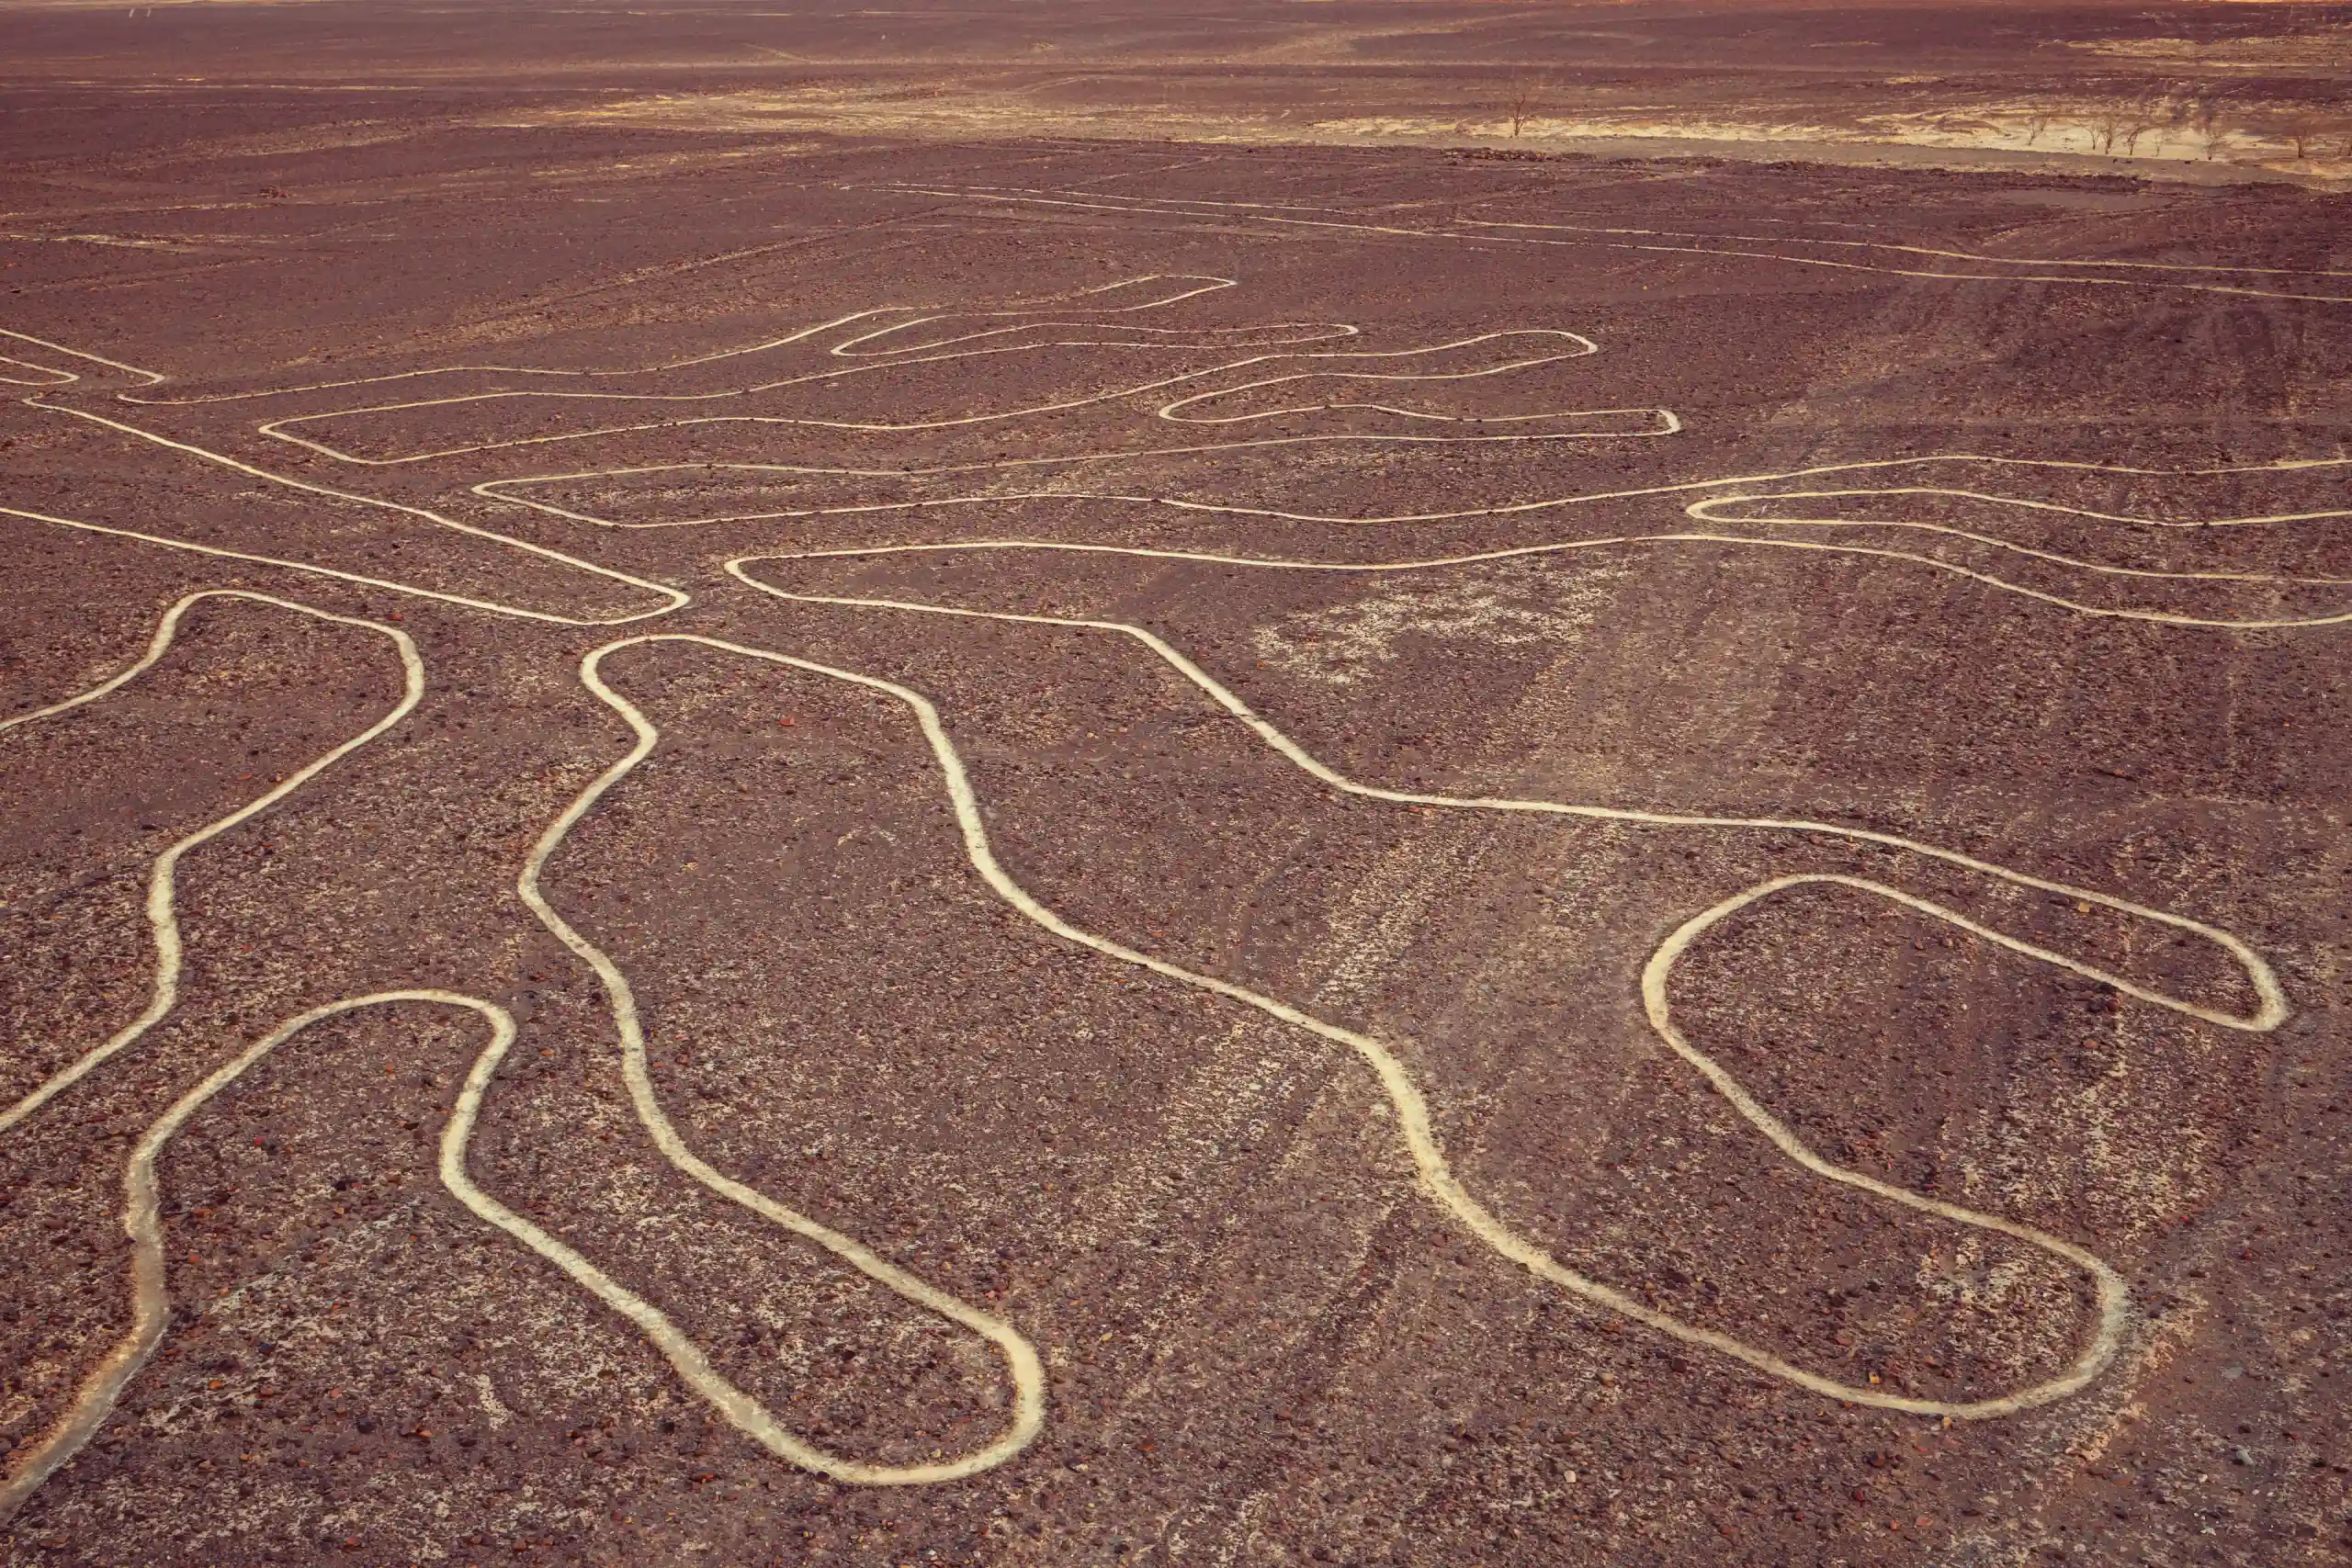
(2211, 90)
(746, 827)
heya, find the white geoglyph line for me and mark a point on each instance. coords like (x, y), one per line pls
(1174, 203)
(1584, 346)
(743, 1412)
(2069, 279)
(1435, 1176)
(2222, 268)
(150, 1302)
(102, 1387)
(148, 378)
(96, 1397)
(1021, 1359)
(281, 429)
(304, 566)
(1207, 286)
(883, 345)
(2271, 1013)
(1704, 510)
(142, 1220)
(1635, 240)
(162, 919)
(899, 357)
(674, 598)
(1663, 421)
(856, 347)
(19, 371)
(1518, 552)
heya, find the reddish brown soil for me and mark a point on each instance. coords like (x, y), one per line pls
(1263, 1343)
(2181, 89)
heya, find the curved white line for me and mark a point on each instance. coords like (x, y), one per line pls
(1020, 1358)
(1666, 424)
(1208, 286)
(2072, 281)
(495, 489)
(162, 919)
(1162, 206)
(1551, 547)
(281, 429)
(142, 1221)
(102, 1388)
(674, 598)
(1931, 251)
(1172, 203)
(1435, 1176)
(1706, 512)
(150, 378)
(1583, 347)
(744, 1413)
(2271, 1013)
(50, 378)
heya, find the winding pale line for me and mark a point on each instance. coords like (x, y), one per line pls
(675, 598)
(53, 377)
(304, 566)
(280, 429)
(1583, 347)
(150, 1299)
(1174, 204)
(2271, 1013)
(1836, 266)
(148, 378)
(1117, 204)
(2114, 1296)
(151, 1306)
(162, 919)
(1019, 1357)
(1908, 557)
(1435, 1176)
(1706, 512)
(746, 1413)
(1704, 509)
(142, 1221)
(1209, 286)
(1935, 252)
(791, 337)
(495, 489)
(1551, 547)
(1667, 422)
(855, 347)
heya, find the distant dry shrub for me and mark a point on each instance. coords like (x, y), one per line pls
(1520, 106)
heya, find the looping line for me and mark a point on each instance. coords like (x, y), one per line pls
(101, 1389)
(282, 429)
(1435, 1175)
(163, 918)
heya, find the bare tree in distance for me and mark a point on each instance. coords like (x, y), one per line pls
(2140, 116)
(2300, 129)
(2107, 123)
(2206, 116)
(1520, 108)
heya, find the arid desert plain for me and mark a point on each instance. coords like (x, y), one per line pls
(1407, 785)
